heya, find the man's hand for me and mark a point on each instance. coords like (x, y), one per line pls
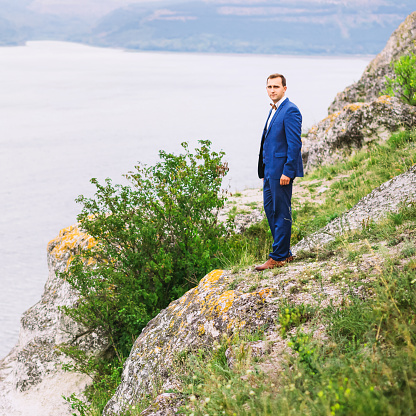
(284, 180)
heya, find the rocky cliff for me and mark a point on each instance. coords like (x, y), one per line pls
(372, 82)
(353, 127)
(31, 376)
(225, 303)
(359, 114)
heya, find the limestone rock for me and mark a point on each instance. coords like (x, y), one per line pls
(248, 208)
(382, 200)
(206, 313)
(372, 82)
(31, 379)
(353, 127)
(197, 319)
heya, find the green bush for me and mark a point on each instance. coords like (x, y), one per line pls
(403, 85)
(155, 238)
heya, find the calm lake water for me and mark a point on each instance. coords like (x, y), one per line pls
(70, 112)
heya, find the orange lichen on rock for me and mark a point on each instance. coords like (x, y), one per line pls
(265, 293)
(353, 107)
(201, 330)
(225, 301)
(211, 277)
(67, 241)
(331, 117)
(384, 99)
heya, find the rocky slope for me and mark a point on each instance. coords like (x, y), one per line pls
(355, 126)
(225, 303)
(359, 114)
(372, 82)
(386, 198)
(31, 376)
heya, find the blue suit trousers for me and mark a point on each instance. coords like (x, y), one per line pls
(277, 205)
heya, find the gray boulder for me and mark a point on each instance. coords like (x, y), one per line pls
(199, 318)
(372, 82)
(373, 207)
(31, 377)
(354, 126)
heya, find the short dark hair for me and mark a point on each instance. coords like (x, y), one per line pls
(272, 76)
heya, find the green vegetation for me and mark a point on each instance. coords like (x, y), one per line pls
(150, 250)
(403, 85)
(360, 174)
(365, 365)
(155, 238)
(292, 316)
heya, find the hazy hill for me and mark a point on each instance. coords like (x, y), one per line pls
(279, 26)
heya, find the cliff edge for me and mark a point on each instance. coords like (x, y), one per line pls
(31, 376)
(372, 82)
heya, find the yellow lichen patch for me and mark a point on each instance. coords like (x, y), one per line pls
(211, 277)
(91, 262)
(201, 330)
(265, 293)
(68, 240)
(353, 107)
(235, 324)
(225, 301)
(331, 117)
(384, 99)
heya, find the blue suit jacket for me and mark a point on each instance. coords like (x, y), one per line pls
(281, 143)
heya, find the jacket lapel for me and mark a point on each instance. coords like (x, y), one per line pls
(275, 115)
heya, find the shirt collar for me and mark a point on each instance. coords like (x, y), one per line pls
(280, 101)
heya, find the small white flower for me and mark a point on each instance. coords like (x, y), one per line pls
(192, 398)
(252, 393)
(207, 400)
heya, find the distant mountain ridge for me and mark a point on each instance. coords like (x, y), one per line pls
(274, 27)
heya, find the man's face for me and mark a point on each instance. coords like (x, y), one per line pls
(275, 89)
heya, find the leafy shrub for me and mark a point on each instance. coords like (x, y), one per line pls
(403, 85)
(154, 239)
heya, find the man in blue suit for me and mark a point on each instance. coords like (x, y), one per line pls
(280, 162)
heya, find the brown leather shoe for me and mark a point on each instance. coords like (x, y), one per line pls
(290, 258)
(270, 264)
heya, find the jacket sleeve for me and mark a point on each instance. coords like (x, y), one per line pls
(293, 128)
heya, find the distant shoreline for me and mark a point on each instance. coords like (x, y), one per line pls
(174, 52)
